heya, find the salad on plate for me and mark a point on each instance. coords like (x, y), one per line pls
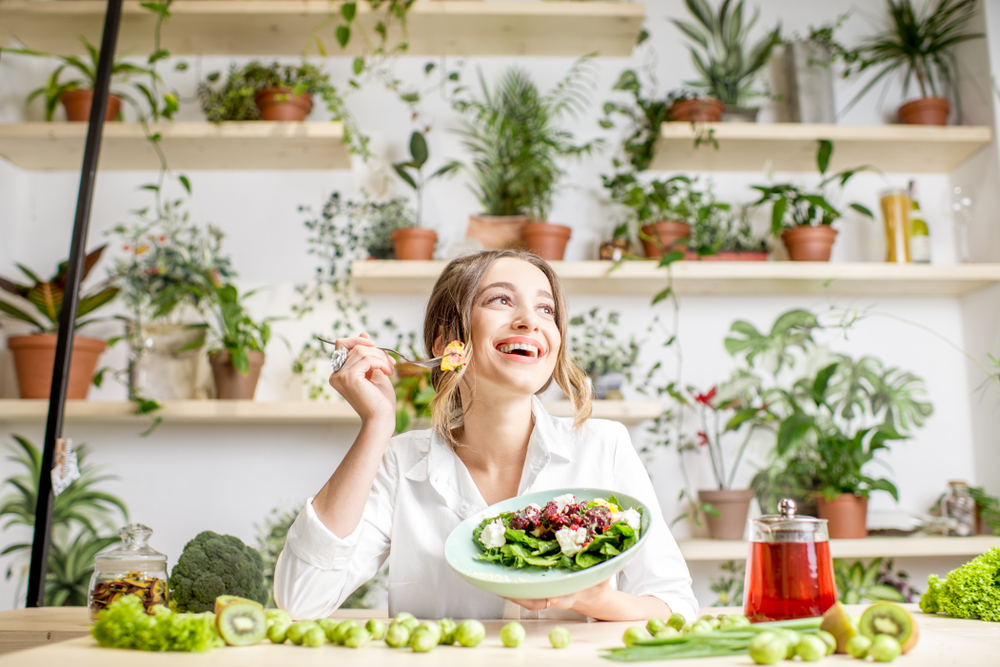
(564, 534)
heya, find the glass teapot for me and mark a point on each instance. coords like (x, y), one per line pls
(789, 571)
(132, 568)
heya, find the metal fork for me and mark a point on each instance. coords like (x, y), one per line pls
(427, 363)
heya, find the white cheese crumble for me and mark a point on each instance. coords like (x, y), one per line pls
(537, 508)
(571, 540)
(629, 516)
(493, 535)
(564, 500)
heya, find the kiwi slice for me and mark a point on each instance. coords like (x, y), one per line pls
(888, 618)
(241, 622)
(838, 623)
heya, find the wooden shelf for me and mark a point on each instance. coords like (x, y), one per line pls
(242, 145)
(286, 27)
(259, 412)
(871, 547)
(792, 147)
(711, 278)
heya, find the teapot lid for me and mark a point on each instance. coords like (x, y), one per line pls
(787, 526)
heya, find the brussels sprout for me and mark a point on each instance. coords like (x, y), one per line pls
(424, 639)
(512, 634)
(397, 635)
(340, 632)
(858, 646)
(357, 637)
(667, 633)
(634, 634)
(448, 628)
(470, 633)
(654, 625)
(375, 628)
(768, 648)
(314, 637)
(829, 640)
(297, 631)
(677, 621)
(884, 648)
(559, 637)
(811, 648)
(278, 631)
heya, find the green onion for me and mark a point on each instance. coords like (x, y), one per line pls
(708, 645)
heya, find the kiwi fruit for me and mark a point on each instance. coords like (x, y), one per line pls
(888, 618)
(241, 622)
(838, 623)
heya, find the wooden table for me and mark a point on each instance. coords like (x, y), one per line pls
(943, 641)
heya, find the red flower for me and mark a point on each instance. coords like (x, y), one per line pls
(706, 399)
(702, 439)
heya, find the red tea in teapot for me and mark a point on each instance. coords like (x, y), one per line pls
(787, 580)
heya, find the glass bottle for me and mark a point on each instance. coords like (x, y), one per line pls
(920, 240)
(132, 568)
(960, 508)
(896, 214)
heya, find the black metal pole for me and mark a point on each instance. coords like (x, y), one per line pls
(67, 322)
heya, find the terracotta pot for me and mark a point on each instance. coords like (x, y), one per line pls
(733, 505)
(729, 256)
(847, 515)
(278, 104)
(809, 244)
(925, 111)
(35, 358)
(77, 104)
(668, 231)
(701, 110)
(414, 243)
(229, 384)
(546, 240)
(497, 232)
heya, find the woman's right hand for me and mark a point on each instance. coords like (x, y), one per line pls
(364, 382)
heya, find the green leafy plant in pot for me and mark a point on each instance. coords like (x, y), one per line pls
(728, 66)
(599, 351)
(236, 350)
(34, 354)
(415, 242)
(921, 48)
(803, 219)
(831, 421)
(77, 94)
(266, 92)
(722, 235)
(515, 143)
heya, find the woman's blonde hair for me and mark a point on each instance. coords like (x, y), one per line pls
(449, 314)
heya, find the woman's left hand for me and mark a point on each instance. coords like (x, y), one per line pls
(585, 601)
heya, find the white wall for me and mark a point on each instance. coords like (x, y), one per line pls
(227, 478)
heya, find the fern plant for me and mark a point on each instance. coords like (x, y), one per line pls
(82, 517)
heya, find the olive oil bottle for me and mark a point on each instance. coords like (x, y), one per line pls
(920, 240)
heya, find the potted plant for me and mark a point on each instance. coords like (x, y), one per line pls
(237, 349)
(922, 49)
(728, 408)
(279, 92)
(415, 242)
(803, 219)
(76, 94)
(644, 116)
(512, 135)
(599, 352)
(720, 235)
(831, 421)
(686, 105)
(721, 55)
(34, 354)
(168, 269)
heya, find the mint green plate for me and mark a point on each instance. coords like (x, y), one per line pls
(534, 582)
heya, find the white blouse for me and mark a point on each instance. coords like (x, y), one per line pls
(423, 491)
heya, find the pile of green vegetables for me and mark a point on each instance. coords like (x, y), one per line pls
(883, 632)
(971, 591)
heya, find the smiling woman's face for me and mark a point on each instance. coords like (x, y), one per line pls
(515, 337)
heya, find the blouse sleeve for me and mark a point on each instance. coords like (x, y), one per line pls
(659, 568)
(317, 570)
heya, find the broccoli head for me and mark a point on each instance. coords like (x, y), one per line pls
(212, 565)
(971, 591)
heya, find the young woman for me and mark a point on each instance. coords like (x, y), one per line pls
(400, 497)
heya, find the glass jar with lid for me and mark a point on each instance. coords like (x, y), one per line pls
(130, 569)
(960, 508)
(789, 571)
